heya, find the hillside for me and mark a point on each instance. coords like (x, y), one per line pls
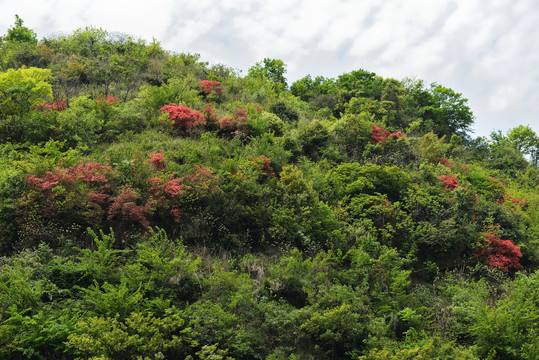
(153, 206)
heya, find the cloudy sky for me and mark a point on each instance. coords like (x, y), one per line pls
(486, 50)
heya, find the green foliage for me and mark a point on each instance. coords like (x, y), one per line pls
(433, 349)
(432, 147)
(313, 138)
(111, 300)
(21, 33)
(351, 133)
(337, 220)
(449, 113)
(142, 336)
(314, 90)
(21, 89)
(272, 70)
(163, 266)
(176, 90)
(338, 329)
(37, 336)
(352, 179)
(19, 289)
(507, 329)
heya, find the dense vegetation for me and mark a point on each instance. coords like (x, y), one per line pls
(155, 207)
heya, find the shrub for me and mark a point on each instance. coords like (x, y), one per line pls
(265, 165)
(450, 182)
(235, 125)
(182, 118)
(501, 254)
(127, 207)
(158, 161)
(208, 87)
(382, 136)
(56, 105)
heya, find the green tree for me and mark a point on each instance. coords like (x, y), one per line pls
(448, 113)
(21, 89)
(21, 33)
(270, 69)
(525, 140)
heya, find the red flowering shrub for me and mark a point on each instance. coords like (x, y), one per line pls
(265, 165)
(56, 105)
(450, 182)
(446, 163)
(210, 118)
(82, 190)
(158, 161)
(207, 87)
(502, 254)
(104, 103)
(88, 194)
(125, 207)
(168, 194)
(165, 194)
(381, 136)
(182, 118)
(235, 125)
(91, 172)
(107, 100)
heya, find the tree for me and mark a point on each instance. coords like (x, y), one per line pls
(19, 47)
(451, 113)
(21, 33)
(270, 69)
(21, 89)
(306, 88)
(525, 140)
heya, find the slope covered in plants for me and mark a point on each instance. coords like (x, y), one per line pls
(155, 207)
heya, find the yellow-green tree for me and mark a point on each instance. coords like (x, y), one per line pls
(21, 89)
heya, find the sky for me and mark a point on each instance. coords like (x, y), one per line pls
(486, 50)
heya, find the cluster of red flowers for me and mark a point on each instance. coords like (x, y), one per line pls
(208, 87)
(92, 172)
(446, 163)
(125, 206)
(56, 105)
(60, 187)
(169, 193)
(158, 161)
(104, 104)
(502, 254)
(451, 182)
(108, 100)
(165, 192)
(380, 136)
(87, 192)
(182, 117)
(211, 119)
(513, 200)
(236, 123)
(265, 164)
